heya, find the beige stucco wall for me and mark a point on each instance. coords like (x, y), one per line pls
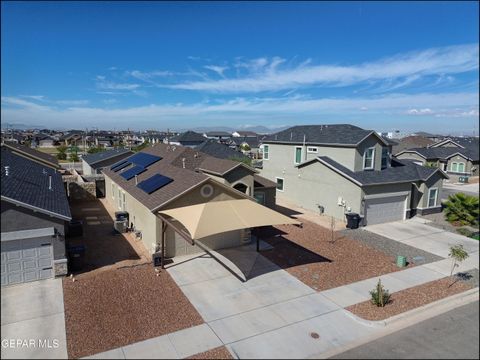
(241, 175)
(436, 181)
(86, 169)
(459, 159)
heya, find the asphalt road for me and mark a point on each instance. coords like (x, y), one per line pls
(453, 335)
(448, 191)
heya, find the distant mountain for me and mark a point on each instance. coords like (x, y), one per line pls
(22, 126)
(258, 129)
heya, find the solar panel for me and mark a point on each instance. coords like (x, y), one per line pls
(154, 183)
(120, 166)
(144, 159)
(130, 173)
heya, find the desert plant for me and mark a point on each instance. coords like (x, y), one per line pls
(245, 147)
(380, 296)
(62, 152)
(462, 208)
(464, 232)
(458, 254)
(431, 164)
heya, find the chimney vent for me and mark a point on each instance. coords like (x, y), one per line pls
(183, 162)
(136, 179)
(7, 170)
(49, 182)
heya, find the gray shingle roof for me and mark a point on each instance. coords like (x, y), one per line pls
(343, 134)
(442, 153)
(27, 183)
(34, 154)
(104, 155)
(188, 136)
(395, 174)
(221, 151)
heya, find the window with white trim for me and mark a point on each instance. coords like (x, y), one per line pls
(124, 201)
(265, 152)
(385, 157)
(279, 184)
(312, 150)
(461, 167)
(368, 157)
(432, 197)
(457, 167)
(113, 191)
(298, 154)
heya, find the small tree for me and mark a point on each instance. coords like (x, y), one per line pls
(458, 254)
(62, 152)
(245, 147)
(462, 208)
(380, 296)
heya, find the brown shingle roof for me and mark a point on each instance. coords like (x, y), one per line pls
(263, 182)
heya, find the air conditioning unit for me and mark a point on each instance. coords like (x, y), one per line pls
(121, 225)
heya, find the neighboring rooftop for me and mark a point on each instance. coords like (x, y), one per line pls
(218, 134)
(342, 134)
(399, 173)
(34, 154)
(220, 151)
(92, 159)
(188, 136)
(443, 153)
(411, 142)
(27, 183)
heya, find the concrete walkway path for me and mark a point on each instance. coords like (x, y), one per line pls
(273, 314)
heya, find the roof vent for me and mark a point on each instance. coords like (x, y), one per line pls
(49, 182)
(183, 162)
(7, 170)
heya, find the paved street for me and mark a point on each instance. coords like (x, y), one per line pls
(450, 189)
(453, 335)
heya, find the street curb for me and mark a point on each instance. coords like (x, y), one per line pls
(408, 318)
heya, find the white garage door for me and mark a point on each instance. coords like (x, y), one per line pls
(382, 210)
(26, 260)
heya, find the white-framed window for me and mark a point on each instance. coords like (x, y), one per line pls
(457, 167)
(312, 150)
(298, 155)
(124, 201)
(119, 199)
(385, 157)
(368, 157)
(113, 191)
(265, 152)
(432, 197)
(280, 184)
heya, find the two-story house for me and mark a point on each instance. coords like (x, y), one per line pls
(335, 169)
(456, 156)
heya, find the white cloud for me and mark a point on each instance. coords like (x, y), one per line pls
(110, 101)
(72, 102)
(425, 111)
(265, 74)
(216, 69)
(146, 76)
(104, 84)
(34, 97)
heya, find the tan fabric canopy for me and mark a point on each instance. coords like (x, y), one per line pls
(220, 216)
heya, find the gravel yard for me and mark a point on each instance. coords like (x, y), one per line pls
(391, 247)
(308, 254)
(217, 353)
(412, 298)
(121, 306)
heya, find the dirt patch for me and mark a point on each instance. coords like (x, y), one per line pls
(217, 353)
(118, 307)
(410, 299)
(308, 254)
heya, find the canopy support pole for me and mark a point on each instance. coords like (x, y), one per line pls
(258, 243)
(162, 259)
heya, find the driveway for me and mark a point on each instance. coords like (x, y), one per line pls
(416, 233)
(270, 315)
(33, 321)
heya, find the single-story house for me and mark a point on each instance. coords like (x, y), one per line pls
(93, 164)
(34, 155)
(35, 212)
(177, 197)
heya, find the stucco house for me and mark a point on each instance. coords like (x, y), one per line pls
(166, 177)
(336, 169)
(188, 138)
(456, 156)
(35, 213)
(93, 164)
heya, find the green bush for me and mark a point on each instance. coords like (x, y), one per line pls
(96, 149)
(462, 209)
(465, 232)
(380, 296)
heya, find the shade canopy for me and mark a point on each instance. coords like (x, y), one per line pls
(220, 216)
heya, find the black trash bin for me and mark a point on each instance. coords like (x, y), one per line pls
(121, 215)
(76, 256)
(353, 220)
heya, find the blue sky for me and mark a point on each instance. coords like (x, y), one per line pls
(384, 66)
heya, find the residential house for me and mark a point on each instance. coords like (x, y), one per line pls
(217, 135)
(410, 142)
(188, 138)
(34, 155)
(244, 134)
(35, 212)
(162, 179)
(221, 151)
(337, 169)
(72, 138)
(456, 156)
(93, 164)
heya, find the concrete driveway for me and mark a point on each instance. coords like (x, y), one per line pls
(33, 322)
(271, 314)
(416, 233)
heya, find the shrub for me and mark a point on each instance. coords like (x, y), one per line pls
(465, 232)
(96, 149)
(458, 254)
(462, 208)
(380, 296)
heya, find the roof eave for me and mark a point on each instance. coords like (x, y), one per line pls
(35, 208)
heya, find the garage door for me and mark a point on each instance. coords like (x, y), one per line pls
(382, 210)
(26, 260)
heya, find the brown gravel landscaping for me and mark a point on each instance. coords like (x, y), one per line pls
(217, 353)
(308, 254)
(121, 306)
(409, 299)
